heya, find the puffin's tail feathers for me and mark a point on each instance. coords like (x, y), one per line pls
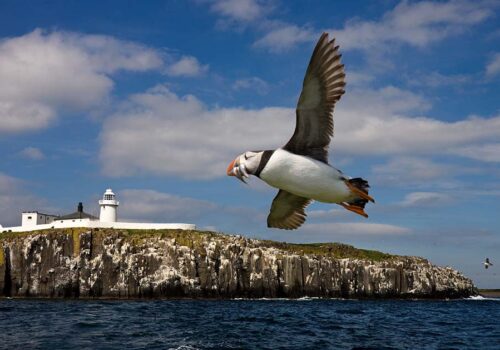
(359, 187)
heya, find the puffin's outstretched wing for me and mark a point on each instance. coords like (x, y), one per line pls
(287, 211)
(322, 88)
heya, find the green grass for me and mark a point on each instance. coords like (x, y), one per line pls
(337, 250)
(66, 231)
(189, 238)
(194, 239)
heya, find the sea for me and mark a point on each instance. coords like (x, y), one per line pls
(250, 324)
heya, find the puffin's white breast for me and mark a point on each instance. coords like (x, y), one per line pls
(305, 177)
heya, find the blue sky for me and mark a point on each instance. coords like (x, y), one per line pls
(155, 98)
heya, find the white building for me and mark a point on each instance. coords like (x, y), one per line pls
(108, 205)
(33, 220)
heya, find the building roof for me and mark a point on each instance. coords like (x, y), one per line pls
(78, 214)
(37, 212)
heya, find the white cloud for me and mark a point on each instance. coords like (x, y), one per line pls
(32, 153)
(151, 205)
(42, 72)
(187, 66)
(410, 171)
(436, 79)
(486, 153)
(161, 133)
(414, 23)
(285, 37)
(28, 116)
(358, 78)
(327, 214)
(377, 122)
(354, 228)
(493, 67)
(239, 10)
(425, 199)
(253, 83)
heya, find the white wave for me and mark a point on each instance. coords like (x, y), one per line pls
(480, 297)
(291, 299)
(308, 298)
(184, 347)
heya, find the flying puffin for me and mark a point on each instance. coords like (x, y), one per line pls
(300, 169)
(487, 263)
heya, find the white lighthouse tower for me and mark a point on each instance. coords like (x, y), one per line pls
(108, 205)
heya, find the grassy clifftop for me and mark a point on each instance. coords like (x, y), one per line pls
(194, 238)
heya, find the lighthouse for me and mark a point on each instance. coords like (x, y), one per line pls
(108, 205)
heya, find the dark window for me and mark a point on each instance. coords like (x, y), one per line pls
(29, 217)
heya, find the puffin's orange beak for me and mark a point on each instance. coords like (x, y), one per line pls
(230, 169)
(235, 169)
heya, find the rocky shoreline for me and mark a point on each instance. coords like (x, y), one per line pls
(83, 263)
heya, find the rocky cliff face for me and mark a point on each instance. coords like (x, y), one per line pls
(86, 264)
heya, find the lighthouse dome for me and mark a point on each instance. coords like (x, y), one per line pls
(108, 195)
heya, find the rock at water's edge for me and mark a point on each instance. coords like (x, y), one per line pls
(83, 263)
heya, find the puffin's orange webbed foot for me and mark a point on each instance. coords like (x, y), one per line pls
(354, 209)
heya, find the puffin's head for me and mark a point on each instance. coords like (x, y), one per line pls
(244, 165)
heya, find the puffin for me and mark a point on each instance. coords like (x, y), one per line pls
(300, 169)
(487, 263)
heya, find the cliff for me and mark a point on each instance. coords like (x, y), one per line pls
(83, 263)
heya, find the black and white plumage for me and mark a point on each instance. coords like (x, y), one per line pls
(487, 263)
(300, 169)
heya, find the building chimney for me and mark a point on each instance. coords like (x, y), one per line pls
(80, 207)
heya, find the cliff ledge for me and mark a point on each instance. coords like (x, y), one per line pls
(83, 263)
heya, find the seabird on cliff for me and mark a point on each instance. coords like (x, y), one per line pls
(487, 263)
(300, 169)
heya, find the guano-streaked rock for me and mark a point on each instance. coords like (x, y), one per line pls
(82, 263)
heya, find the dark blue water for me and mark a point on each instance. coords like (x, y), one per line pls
(244, 324)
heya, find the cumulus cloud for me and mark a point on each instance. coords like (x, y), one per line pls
(162, 133)
(425, 199)
(253, 83)
(285, 37)
(380, 122)
(415, 172)
(414, 23)
(354, 228)
(42, 72)
(32, 153)
(436, 79)
(155, 206)
(486, 153)
(327, 214)
(359, 78)
(187, 66)
(28, 116)
(493, 67)
(239, 10)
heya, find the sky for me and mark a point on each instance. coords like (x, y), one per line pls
(154, 99)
